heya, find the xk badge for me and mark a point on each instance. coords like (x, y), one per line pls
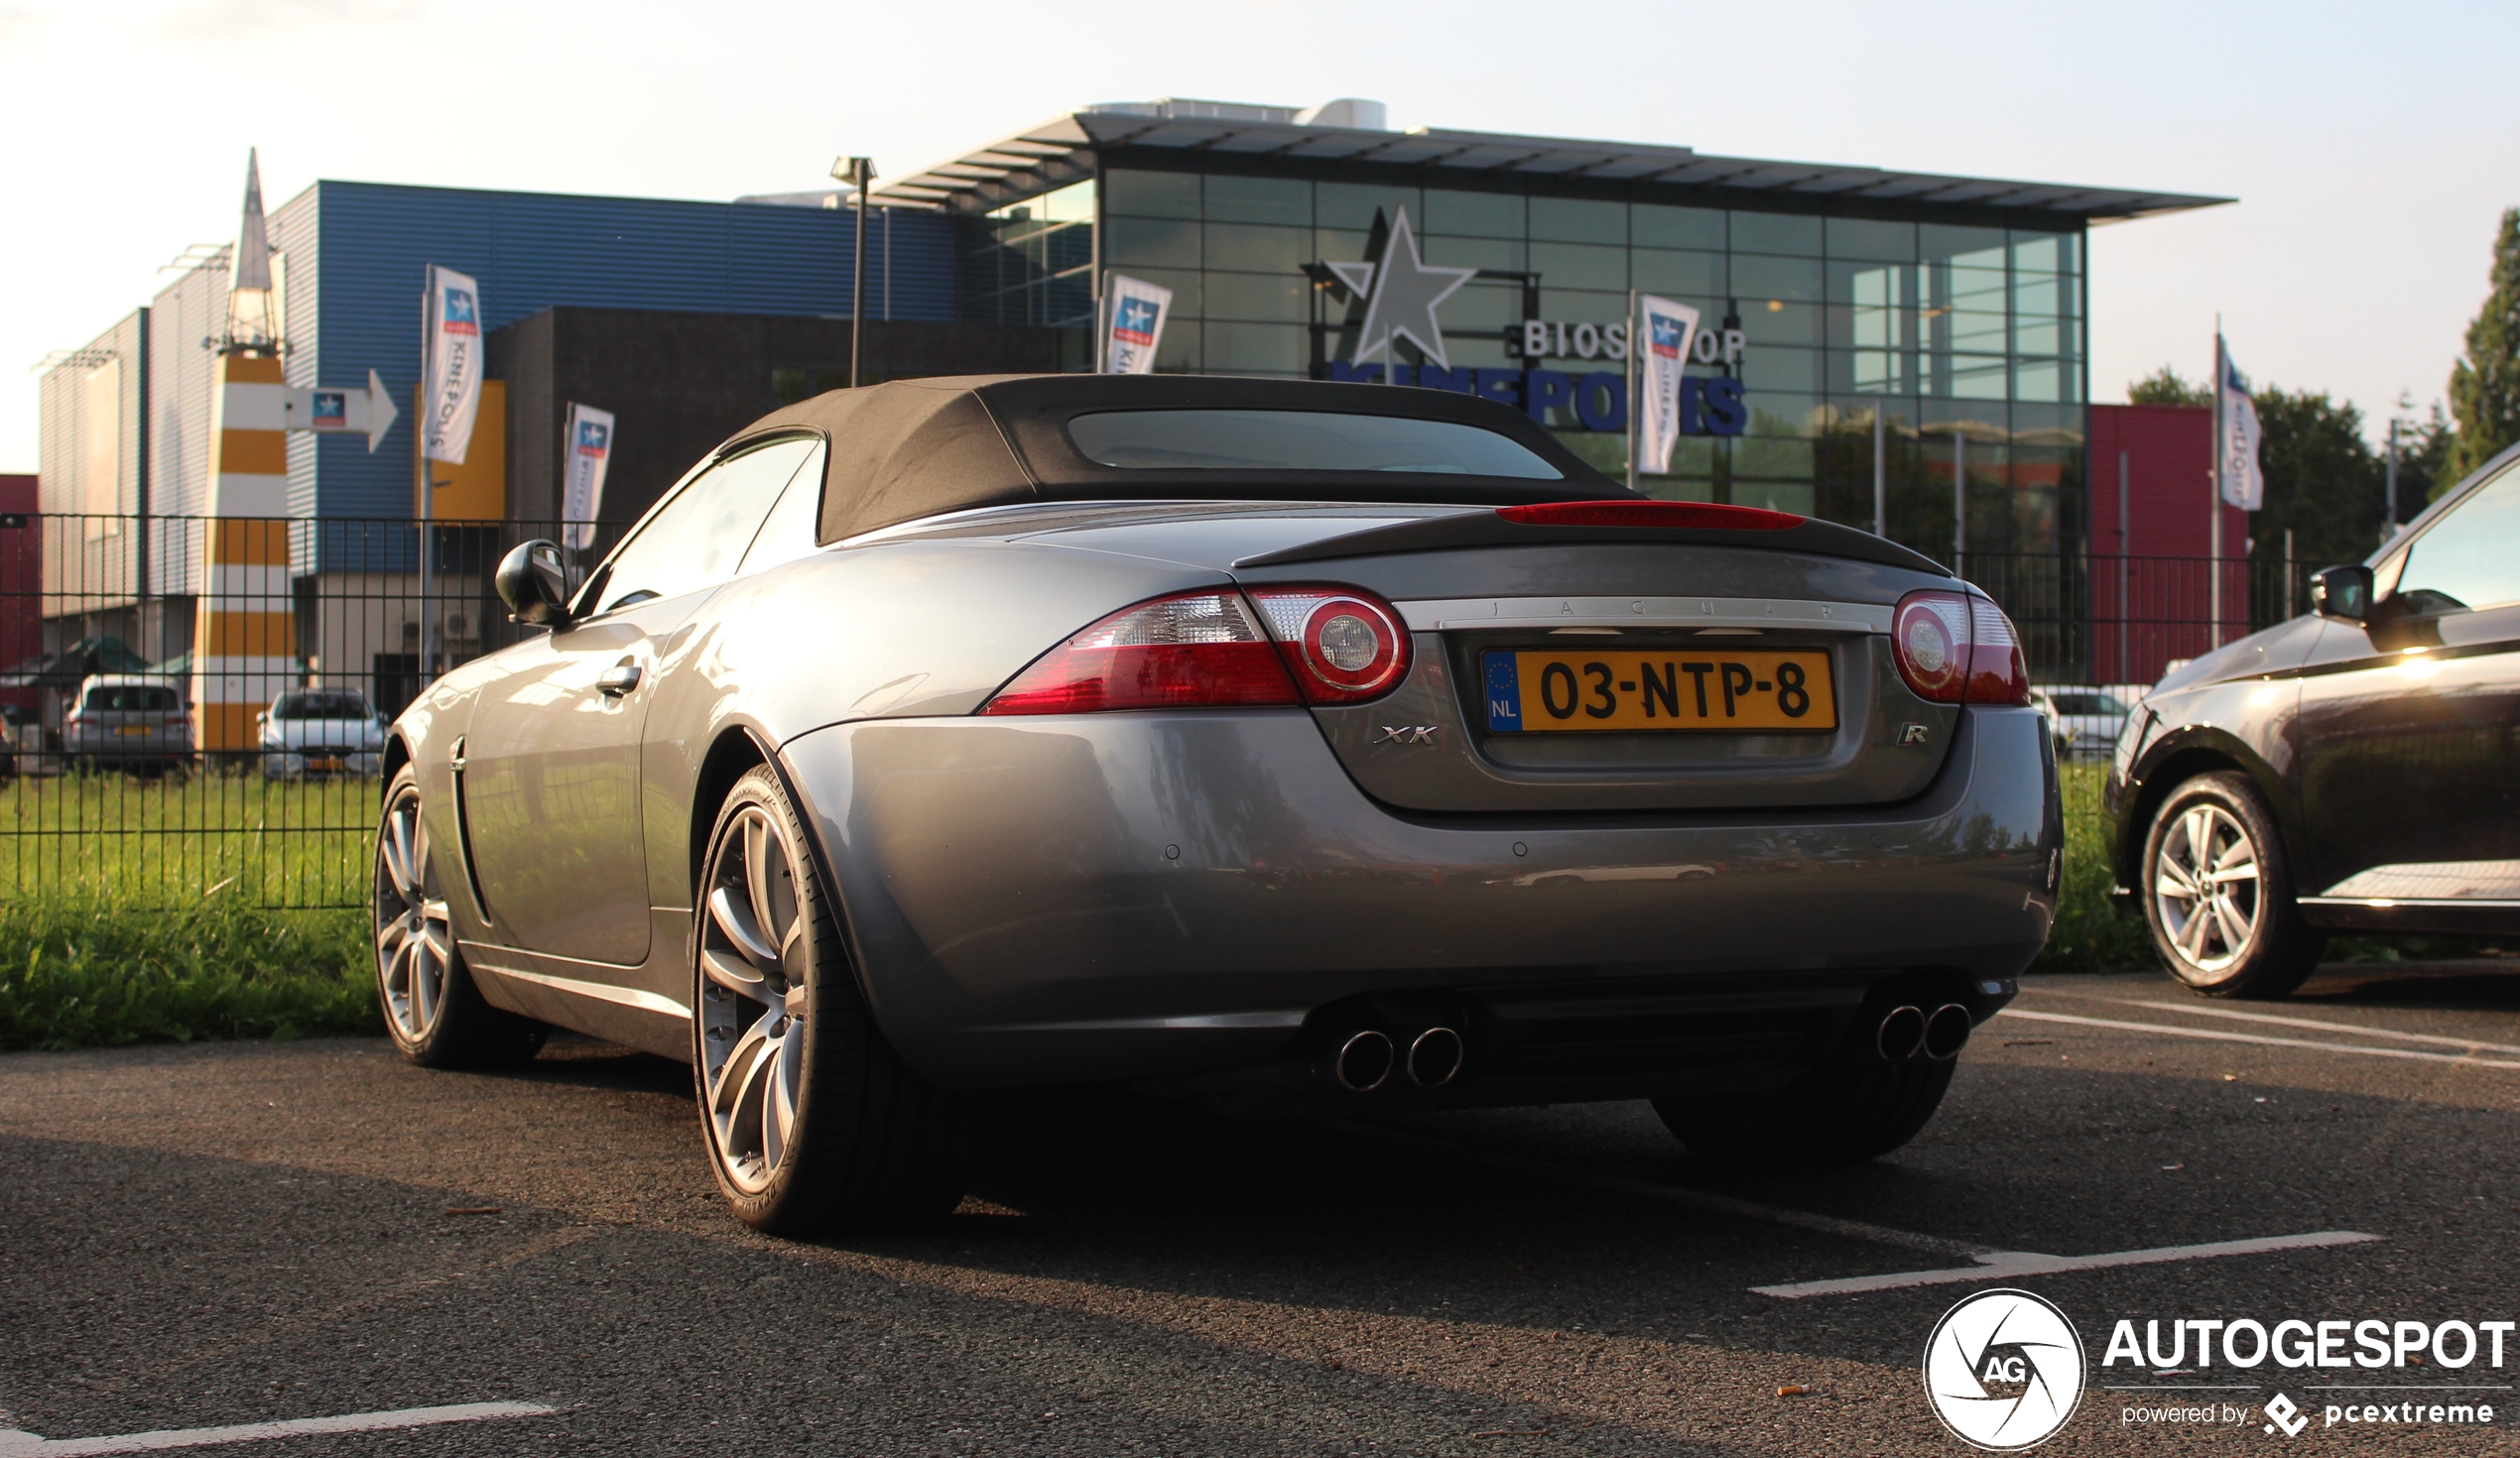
(1406, 734)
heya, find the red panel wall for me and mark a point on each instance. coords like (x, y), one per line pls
(2166, 612)
(21, 573)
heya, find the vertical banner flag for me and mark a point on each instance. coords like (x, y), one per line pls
(582, 490)
(2243, 483)
(454, 365)
(1670, 330)
(1138, 311)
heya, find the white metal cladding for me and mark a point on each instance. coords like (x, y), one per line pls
(186, 314)
(95, 568)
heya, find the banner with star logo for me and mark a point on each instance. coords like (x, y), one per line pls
(1138, 311)
(1670, 330)
(451, 335)
(582, 490)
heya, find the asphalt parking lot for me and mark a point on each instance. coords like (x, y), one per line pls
(209, 1236)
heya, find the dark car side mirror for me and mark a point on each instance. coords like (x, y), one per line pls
(2343, 593)
(534, 585)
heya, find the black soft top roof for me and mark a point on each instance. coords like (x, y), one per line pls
(915, 448)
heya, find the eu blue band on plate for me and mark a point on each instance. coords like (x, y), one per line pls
(1504, 693)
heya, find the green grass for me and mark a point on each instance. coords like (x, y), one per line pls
(2090, 935)
(120, 840)
(78, 974)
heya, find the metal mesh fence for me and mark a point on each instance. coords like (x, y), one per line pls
(194, 708)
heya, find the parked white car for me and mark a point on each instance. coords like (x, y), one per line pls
(2085, 718)
(321, 731)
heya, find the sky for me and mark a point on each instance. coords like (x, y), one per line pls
(2372, 148)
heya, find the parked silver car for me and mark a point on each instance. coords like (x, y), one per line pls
(2085, 718)
(127, 721)
(1292, 746)
(321, 731)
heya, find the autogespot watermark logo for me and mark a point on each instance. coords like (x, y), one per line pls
(2004, 1370)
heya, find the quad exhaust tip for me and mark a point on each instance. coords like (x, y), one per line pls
(1947, 1032)
(1435, 1057)
(1901, 1033)
(1364, 1062)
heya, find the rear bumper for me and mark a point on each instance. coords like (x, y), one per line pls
(1147, 895)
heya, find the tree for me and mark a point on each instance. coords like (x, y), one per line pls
(2323, 480)
(2164, 387)
(2484, 387)
(2424, 462)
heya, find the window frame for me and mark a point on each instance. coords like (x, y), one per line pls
(584, 608)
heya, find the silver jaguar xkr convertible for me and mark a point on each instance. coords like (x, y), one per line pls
(1292, 746)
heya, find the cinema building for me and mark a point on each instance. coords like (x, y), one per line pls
(1951, 310)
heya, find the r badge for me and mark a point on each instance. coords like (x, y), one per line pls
(1913, 733)
(1406, 734)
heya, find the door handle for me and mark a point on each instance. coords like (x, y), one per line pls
(618, 679)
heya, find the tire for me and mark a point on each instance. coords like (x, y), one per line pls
(1840, 1112)
(2248, 939)
(813, 1123)
(436, 1018)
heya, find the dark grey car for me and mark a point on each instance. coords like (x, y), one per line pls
(1290, 746)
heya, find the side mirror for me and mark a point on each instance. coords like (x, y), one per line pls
(2343, 593)
(534, 585)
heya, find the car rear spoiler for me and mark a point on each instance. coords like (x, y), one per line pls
(1478, 528)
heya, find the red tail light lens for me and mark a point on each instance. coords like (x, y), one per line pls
(1702, 516)
(1997, 673)
(1192, 649)
(1343, 644)
(1958, 648)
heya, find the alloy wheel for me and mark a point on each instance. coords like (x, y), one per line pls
(414, 943)
(2206, 888)
(753, 998)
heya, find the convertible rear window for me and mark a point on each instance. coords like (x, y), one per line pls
(1298, 441)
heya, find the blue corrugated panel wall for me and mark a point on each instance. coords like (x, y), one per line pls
(534, 250)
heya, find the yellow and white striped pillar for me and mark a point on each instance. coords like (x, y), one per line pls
(243, 638)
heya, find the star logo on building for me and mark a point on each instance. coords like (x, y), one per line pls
(1401, 293)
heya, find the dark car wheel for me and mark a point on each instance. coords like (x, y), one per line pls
(437, 1016)
(814, 1124)
(2218, 895)
(1837, 1114)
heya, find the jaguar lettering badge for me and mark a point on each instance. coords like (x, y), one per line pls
(1406, 734)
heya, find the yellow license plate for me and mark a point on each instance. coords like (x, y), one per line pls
(325, 762)
(1629, 692)
(131, 728)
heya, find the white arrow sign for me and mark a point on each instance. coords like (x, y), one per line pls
(368, 411)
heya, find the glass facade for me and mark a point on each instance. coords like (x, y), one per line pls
(1968, 340)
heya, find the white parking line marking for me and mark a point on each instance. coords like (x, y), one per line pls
(2320, 1024)
(2251, 1037)
(2000, 1265)
(27, 1444)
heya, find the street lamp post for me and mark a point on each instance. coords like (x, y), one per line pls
(859, 172)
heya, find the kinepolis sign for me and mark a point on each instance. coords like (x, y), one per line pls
(1401, 293)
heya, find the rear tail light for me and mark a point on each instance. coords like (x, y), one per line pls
(1700, 516)
(1342, 645)
(1192, 649)
(1959, 647)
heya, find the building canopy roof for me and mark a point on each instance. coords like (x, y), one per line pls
(1061, 151)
